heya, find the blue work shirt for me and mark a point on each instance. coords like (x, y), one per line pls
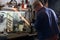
(46, 23)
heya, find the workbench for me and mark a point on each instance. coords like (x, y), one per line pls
(18, 36)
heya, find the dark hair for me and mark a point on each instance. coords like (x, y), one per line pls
(43, 1)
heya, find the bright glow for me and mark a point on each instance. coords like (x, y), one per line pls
(25, 6)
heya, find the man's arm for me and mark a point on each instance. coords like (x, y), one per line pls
(38, 20)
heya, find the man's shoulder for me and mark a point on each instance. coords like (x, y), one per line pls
(45, 8)
(50, 9)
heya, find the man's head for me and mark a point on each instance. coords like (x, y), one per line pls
(37, 5)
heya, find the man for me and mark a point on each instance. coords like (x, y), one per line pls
(46, 23)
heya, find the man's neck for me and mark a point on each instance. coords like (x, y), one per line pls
(38, 9)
